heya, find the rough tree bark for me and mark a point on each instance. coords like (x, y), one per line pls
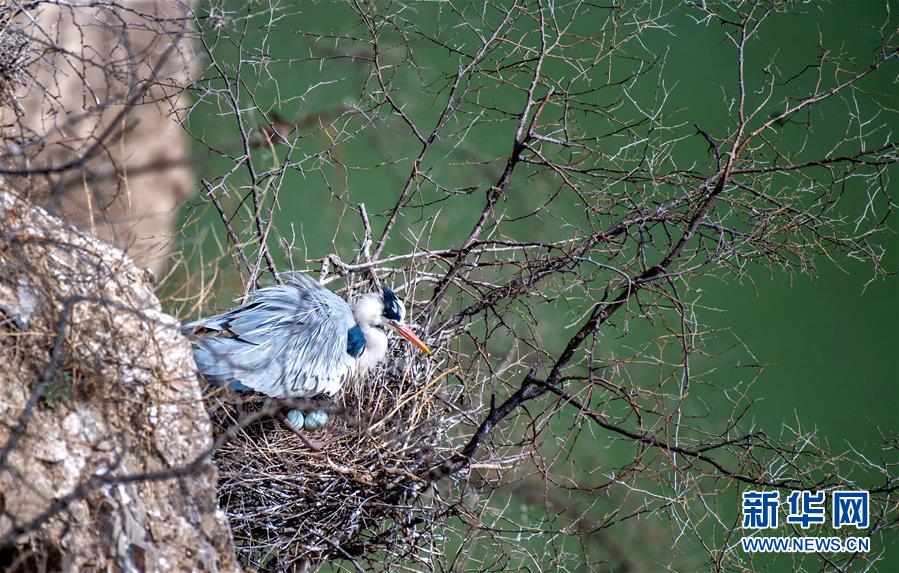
(103, 435)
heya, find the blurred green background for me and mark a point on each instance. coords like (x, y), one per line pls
(831, 341)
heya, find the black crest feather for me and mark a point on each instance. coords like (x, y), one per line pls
(391, 305)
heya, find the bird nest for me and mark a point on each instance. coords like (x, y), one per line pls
(289, 504)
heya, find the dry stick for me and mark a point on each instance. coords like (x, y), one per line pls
(227, 221)
(439, 124)
(195, 159)
(365, 248)
(531, 387)
(493, 195)
(517, 286)
(129, 103)
(247, 159)
(522, 136)
(43, 379)
(641, 437)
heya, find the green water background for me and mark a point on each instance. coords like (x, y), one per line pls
(831, 341)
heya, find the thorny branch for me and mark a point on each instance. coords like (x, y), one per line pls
(543, 175)
(649, 222)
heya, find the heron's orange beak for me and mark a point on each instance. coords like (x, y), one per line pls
(410, 336)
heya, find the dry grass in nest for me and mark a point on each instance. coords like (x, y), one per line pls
(288, 504)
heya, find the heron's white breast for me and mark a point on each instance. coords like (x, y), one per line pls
(375, 350)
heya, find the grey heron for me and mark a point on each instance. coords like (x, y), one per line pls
(297, 340)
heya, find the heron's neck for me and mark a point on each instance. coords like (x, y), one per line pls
(375, 348)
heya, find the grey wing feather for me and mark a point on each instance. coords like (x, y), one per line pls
(286, 341)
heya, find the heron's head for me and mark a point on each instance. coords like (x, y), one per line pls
(382, 310)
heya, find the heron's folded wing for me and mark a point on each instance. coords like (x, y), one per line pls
(288, 341)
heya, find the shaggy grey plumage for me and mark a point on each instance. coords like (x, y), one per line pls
(296, 340)
(287, 341)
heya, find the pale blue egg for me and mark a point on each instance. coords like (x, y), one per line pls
(316, 420)
(296, 418)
